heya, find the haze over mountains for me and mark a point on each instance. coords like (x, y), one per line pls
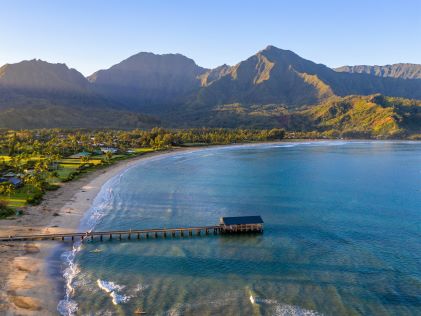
(148, 89)
(403, 71)
(148, 78)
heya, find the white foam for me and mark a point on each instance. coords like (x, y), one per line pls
(109, 286)
(67, 306)
(112, 288)
(284, 309)
(291, 310)
(119, 298)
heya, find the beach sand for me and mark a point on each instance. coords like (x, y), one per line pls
(26, 284)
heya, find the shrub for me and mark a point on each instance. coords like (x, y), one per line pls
(51, 187)
(5, 210)
(35, 199)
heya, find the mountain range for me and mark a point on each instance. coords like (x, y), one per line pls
(403, 71)
(273, 88)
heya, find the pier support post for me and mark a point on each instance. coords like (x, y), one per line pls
(100, 237)
(138, 235)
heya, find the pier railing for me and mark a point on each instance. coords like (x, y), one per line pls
(139, 234)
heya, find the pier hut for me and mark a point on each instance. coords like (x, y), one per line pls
(241, 224)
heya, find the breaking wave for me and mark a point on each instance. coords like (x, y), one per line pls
(101, 204)
(113, 290)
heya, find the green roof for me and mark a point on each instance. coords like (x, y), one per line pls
(241, 220)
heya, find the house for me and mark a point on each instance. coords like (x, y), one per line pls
(9, 175)
(81, 155)
(16, 182)
(112, 150)
(241, 224)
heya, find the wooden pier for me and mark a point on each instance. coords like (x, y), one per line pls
(222, 228)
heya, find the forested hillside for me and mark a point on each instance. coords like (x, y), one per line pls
(272, 88)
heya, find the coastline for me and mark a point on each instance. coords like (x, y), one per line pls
(27, 286)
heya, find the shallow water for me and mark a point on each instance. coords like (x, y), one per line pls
(342, 234)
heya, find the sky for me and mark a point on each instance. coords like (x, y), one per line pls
(95, 34)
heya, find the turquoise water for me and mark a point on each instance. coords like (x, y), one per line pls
(342, 234)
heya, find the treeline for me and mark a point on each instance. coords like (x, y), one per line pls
(63, 142)
(161, 138)
(33, 161)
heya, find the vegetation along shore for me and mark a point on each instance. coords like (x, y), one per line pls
(50, 178)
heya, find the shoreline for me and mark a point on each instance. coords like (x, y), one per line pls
(24, 266)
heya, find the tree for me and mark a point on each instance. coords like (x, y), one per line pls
(84, 159)
(9, 189)
(276, 133)
(108, 156)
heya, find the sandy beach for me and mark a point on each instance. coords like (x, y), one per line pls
(26, 287)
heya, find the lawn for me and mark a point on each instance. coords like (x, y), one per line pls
(76, 161)
(7, 158)
(67, 168)
(143, 150)
(18, 199)
(4, 157)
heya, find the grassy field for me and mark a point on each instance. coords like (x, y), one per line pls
(142, 150)
(68, 169)
(18, 199)
(21, 197)
(8, 158)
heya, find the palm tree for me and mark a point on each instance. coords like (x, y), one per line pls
(84, 159)
(9, 189)
(108, 156)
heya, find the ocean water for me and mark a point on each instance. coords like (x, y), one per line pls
(342, 234)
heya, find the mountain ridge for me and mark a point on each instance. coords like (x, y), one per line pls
(148, 78)
(172, 90)
(39, 74)
(399, 70)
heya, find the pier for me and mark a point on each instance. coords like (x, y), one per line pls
(228, 225)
